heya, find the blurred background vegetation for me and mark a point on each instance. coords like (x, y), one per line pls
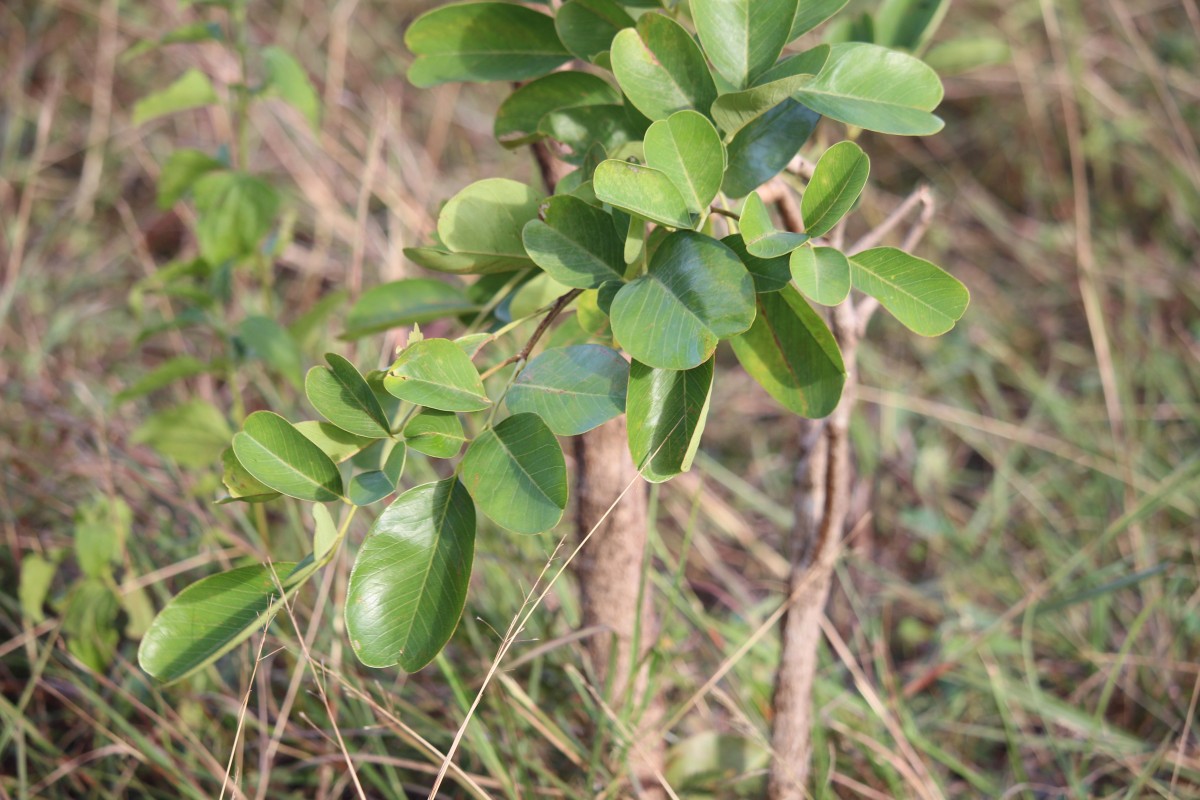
(1018, 611)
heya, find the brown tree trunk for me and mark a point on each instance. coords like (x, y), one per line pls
(613, 595)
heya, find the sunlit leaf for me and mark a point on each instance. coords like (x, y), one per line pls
(924, 297)
(281, 457)
(837, 181)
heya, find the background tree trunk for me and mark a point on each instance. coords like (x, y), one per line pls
(612, 594)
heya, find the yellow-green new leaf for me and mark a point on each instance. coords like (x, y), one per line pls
(688, 150)
(192, 90)
(485, 218)
(761, 236)
(924, 297)
(838, 179)
(822, 274)
(644, 191)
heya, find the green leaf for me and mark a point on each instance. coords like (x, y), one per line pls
(688, 150)
(764, 147)
(601, 128)
(587, 27)
(281, 457)
(811, 13)
(517, 474)
(822, 273)
(435, 433)
(695, 293)
(482, 42)
(287, 79)
(369, 487)
(34, 585)
(342, 396)
(409, 583)
(577, 244)
(761, 236)
(667, 410)
(924, 297)
(180, 173)
(325, 533)
(439, 259)
(644, 191)
(192, 90)
(266, 339)
(518, 118)
(743, 37)
(234, 212)
(89, 623)
(908, 24)
(213, 615)
(534, 296)
(661, 69)
(573, 389)
(733, 111)
(333, 441)
(792, 354)
(192, 434)
(486, 218)
(163, 375)
(436, 373)
(407, 302)
(839, 178)
(769, 274)
(102, 527)
(877, 89)
(240, 484)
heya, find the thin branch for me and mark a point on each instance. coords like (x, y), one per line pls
(920, 196)
(547, 321)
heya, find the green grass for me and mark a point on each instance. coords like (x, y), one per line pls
(1017, 612)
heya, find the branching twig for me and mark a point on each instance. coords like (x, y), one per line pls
(547, 321)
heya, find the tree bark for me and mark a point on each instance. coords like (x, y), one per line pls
(612, 593)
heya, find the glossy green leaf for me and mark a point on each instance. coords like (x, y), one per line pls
(761, 236)
(180, 172)
(573, 389)
(587, 27)
(343, 397)
(876, 88)
(661, 69)
(733, 111)
(409, 583)
(644, 191)
(765, 146)
(482, 42)
(333, 441)
(576, 245)
(517, 474)
(793, 355)
(695, 293)
(440, 259)
(486, 218)
(281, 457)
(241, 485)
(436, 373)
(839, 178)
(908, 24)
(769, 274)
(192, 434)
(811, 13)
(924, 297)
(688, 150)
(234, 211)
(192, 90)
(519, 115)
(667, 410)
(593, 128)
(369, 487)
(213, 615)
(743, 37)
(435, 433)
(822, 273)
(406, 302)
(286, 78)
